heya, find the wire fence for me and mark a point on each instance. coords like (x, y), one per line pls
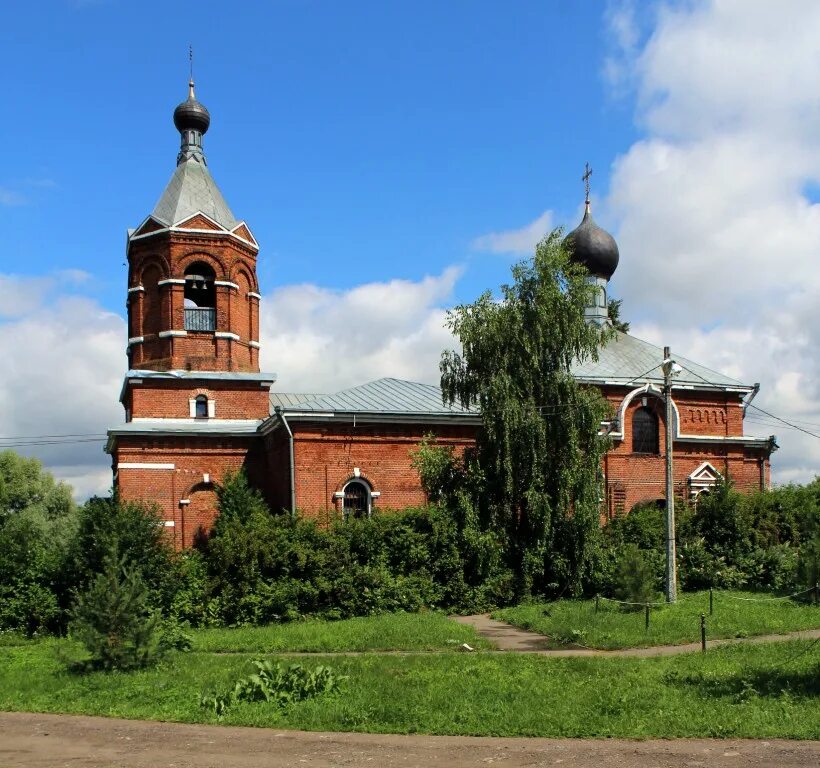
(648, 605)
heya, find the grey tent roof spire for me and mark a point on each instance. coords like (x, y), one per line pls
(192, 188)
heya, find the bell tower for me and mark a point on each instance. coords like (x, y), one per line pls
(193, 297)
(194, 397)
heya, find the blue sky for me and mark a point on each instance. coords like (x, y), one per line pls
(361, 141)
(395, 158)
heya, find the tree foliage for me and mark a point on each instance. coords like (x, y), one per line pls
(538, 450)
(114, 619)
(614, 312)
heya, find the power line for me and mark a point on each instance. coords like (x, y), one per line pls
(49, 437)
(750, 405)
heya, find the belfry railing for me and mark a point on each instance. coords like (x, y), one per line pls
(200, 319)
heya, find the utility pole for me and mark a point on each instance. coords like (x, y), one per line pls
(670, 368)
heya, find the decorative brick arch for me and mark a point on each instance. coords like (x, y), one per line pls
(198, 511)
(215, 262)
(148, 262)
(648, 390)
(359, 477)
(242, 269)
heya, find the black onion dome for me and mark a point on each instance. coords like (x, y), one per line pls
(190, 114)
(593, 247)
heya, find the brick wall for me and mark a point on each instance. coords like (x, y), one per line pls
(326, 457)
(193, 459)
(170, 399)
(160, 308)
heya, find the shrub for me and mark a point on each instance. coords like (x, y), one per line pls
(125, 531)
(113, 619)
(635, 579)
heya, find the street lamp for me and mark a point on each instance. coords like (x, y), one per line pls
(670, 369)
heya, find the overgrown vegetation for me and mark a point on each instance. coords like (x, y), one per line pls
(736, 615)
(259, 568)
(756, 691)
(275, 684)
(730, 540)
(532, 480)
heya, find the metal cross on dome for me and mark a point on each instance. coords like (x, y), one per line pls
(585, 179)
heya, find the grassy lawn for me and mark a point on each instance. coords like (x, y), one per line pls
(612, 627)
(391, 632)
(762, 691)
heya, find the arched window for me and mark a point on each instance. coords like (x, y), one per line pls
(200, 297)
(645, 431)
(356, 499)
(201, 407)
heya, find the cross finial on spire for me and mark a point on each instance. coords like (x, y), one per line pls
(191, 60)
(585, 179)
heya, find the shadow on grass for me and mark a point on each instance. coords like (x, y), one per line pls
(770, 683)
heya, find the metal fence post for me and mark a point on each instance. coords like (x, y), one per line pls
(703, 633)
(647, 617)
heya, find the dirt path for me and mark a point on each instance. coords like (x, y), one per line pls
(506, 637)
(37, 741)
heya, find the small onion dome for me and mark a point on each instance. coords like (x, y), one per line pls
(191, 115)
(593, 247)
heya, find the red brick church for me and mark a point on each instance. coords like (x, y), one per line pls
(197, 406)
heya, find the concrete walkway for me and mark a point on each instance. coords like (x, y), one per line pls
(506, 637)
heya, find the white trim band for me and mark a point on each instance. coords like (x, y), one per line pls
(226, 335)
(226, 283)
(169, 334)
(137, 289)
(135, 340)
(254, 344)
(169, 523)
(171, 281)
(184, 501)
(254, 295)
(139, 465)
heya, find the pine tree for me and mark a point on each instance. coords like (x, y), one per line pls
(114, 621)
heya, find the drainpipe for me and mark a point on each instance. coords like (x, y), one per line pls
(751, 397)
(292, 462)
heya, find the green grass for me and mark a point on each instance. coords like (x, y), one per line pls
(757, 691)
(426, 631)
(612, 627)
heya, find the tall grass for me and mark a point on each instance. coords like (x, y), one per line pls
(388, 632)
(755, 691)
(736, 614)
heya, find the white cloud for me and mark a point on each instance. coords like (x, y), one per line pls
(63, 361)
(322, 340)
(64, 356)
(10, 198)
(719, 243)
(516, 241)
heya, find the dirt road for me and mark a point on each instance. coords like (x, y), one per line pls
(36, 741)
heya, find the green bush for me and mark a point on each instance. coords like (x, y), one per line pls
(635, 578)
(114, 620)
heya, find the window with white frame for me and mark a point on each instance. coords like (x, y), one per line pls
(357, 499)
(201, 407)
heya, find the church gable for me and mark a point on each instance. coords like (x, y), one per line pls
(243, 232)
(148, 226)
(703, 479)
(200, 221)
